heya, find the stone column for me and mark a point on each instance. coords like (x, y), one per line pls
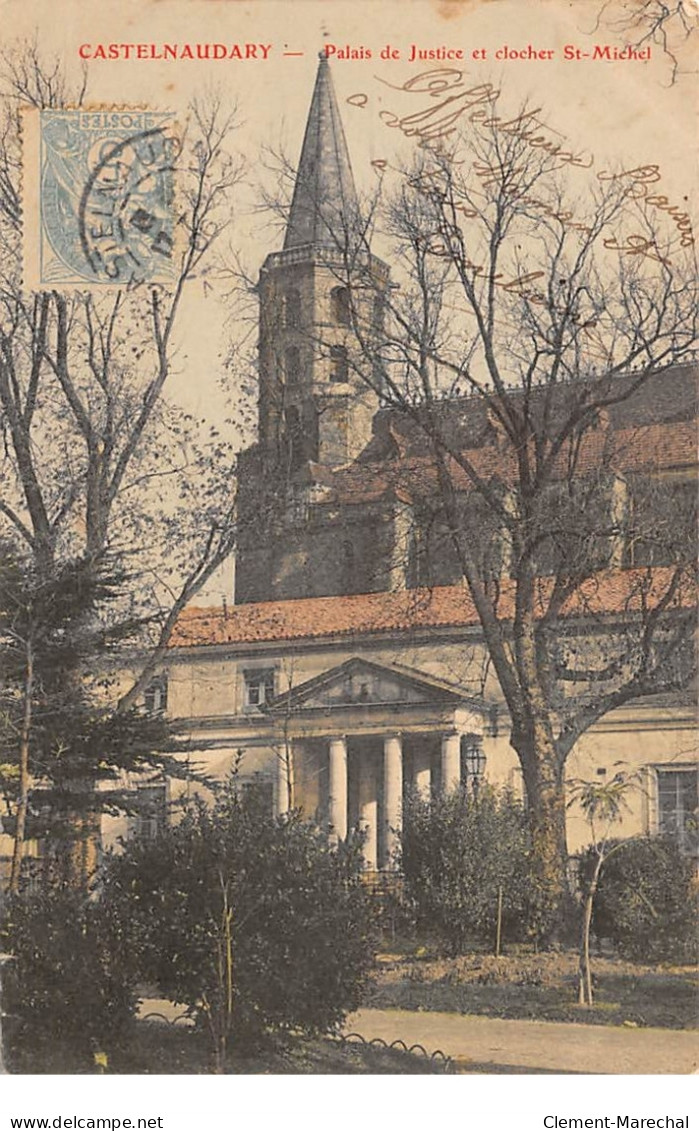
(619, 506)
(369, 808)
(451, 761)
(281, 786)
(337, 807)
(392, 797)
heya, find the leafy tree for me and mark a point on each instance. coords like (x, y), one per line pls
(462, 855)
(99, 473)
(67, 983)
(254, 923)
(646, 900)
(54, 712)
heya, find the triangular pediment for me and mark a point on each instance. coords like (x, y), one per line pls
(361, 683)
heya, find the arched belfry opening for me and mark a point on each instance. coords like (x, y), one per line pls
(340, 306)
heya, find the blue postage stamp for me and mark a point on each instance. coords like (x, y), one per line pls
(104, 212)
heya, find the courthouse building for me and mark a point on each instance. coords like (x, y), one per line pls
(349, 665)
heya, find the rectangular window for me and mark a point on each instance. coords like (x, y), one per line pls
(341, 310)
(258, 795)
(662, 521)
(377, 313)
(339, 366)
(677, 806)
(292, 366)
(151, 811)
(259, 686)
(292, 309)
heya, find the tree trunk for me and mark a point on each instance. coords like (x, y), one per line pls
(220, 1015)
(23, 795)
(73, 856)
(289, 766)
(533, 739)
(546, 805)
(498, 926)
(585, 971)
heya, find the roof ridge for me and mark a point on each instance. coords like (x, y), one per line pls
(610, 592)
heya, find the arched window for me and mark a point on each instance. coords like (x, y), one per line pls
(292, 309)
(294, 437)
(292, 366)
(339, 368)
(340, 310)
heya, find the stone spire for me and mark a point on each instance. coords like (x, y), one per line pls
(325, 198)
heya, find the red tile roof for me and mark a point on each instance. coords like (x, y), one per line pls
(648, 448)
(608, 593)
(668, 396)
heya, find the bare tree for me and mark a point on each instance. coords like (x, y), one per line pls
(528, 309)
(97, 467)
(667, 24)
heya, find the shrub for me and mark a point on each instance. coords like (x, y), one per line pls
(254, 923)
(646, 900)
(66, 985)
(458, 851)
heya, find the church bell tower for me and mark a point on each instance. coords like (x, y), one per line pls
(318, 297)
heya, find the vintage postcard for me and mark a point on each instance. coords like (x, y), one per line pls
(347, 542)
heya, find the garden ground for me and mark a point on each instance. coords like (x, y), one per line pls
(541, 987)
(492, 1045)
(513, 1014)
(152, 1047)
(517, 1013)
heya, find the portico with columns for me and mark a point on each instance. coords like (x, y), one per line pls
(355, 739)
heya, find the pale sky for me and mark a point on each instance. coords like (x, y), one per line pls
(622, 112)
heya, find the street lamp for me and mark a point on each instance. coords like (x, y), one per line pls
(472, 759)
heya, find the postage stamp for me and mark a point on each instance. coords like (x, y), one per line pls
(98, 197)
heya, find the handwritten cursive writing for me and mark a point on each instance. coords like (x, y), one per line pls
(637, 189)
(636, 245)
(449, 244)
(453, 102)
(439, 121)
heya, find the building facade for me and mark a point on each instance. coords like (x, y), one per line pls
(351, 665)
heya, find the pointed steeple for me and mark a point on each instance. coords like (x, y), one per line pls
(325, 198)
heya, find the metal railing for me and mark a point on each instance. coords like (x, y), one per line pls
(437, 1057)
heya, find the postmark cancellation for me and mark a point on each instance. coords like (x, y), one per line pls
(98, 197)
